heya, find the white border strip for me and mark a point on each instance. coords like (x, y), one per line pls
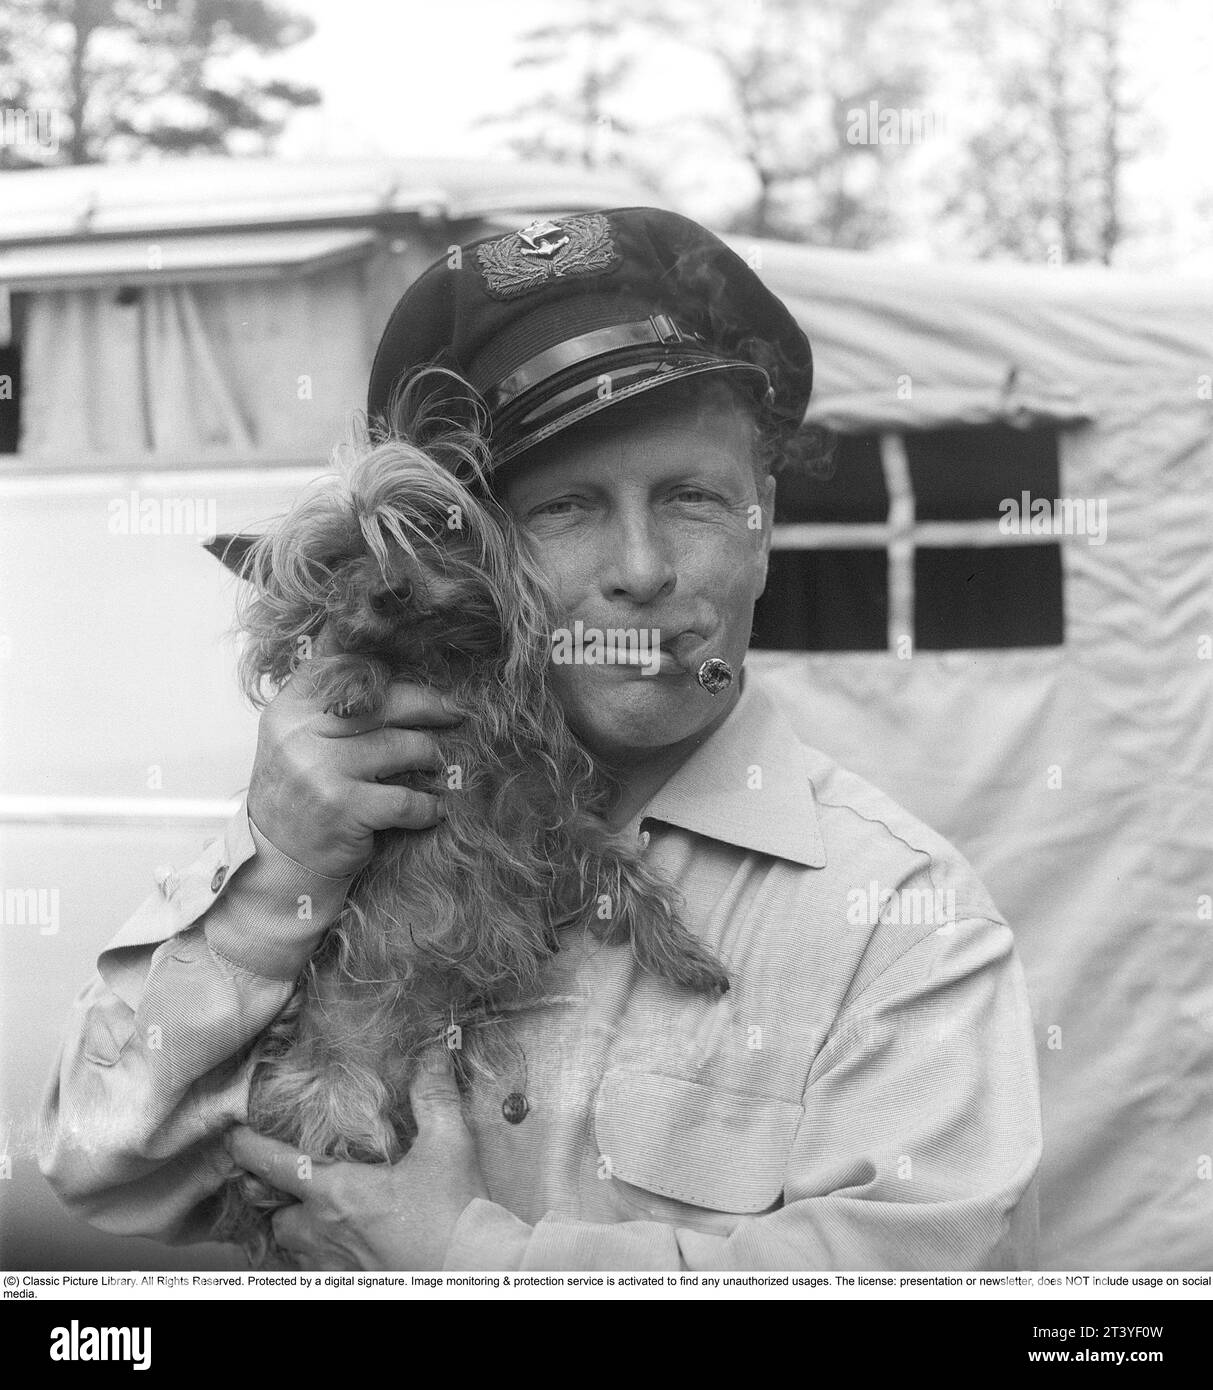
(115, 810)
(242, 479)
(900, 488)
(875, 535)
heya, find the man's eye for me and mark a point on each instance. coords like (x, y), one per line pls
(693, 494)
(559, 506)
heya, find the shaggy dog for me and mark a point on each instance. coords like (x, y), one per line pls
(411, 571)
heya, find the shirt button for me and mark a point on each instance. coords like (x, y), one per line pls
(514, 1107)
(219, 879)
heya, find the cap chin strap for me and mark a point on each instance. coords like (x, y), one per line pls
(576, 403)
(618, 342)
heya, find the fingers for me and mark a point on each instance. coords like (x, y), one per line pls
(378, 757)
(391, 808)
(292, 1229)
(434, 1093)
(383, 753)
(411, 706)
(272, 1161)
(406, 706)
(299, 1240)
(325, 643)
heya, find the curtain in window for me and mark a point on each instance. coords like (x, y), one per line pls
(260, 368)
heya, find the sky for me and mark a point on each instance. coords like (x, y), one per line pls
(410, 78)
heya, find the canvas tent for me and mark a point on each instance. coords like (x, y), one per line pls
(1077, 775)
(1042, 699)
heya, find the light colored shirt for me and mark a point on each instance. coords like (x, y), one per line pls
(864, 1097)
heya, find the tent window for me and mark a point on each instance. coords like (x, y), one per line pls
(826, 601)
(963, 474)
(850, 486)
(987, 596)
(899, 541)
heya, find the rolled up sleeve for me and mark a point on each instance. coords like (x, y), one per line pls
(153, 1066)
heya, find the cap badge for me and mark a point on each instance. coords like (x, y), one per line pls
(543, 250)
(536, 234)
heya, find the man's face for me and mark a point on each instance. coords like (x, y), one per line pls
(648, 517)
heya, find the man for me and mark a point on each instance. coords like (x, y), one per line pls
(863, 1097)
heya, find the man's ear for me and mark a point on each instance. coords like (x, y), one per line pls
(766, 499)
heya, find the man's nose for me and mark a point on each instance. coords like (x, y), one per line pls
(638, 564)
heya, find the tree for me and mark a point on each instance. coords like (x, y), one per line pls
(1110, 35)
(172, 76)
(16, 95)
(801, 83)
(787, 79)
(584, 60)
(1041, 175)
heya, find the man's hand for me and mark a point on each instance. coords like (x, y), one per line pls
(317, 791)
(372, 1216)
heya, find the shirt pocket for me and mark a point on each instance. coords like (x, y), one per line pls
(689, 1154)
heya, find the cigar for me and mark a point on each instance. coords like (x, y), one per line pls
(715, 675)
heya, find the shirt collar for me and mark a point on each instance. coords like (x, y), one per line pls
(747, 784)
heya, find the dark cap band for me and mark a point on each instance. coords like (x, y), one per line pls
(599, 347)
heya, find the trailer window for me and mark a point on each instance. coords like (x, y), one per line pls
(11, 306)
(897, 543)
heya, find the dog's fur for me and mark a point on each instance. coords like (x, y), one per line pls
(412, 571)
